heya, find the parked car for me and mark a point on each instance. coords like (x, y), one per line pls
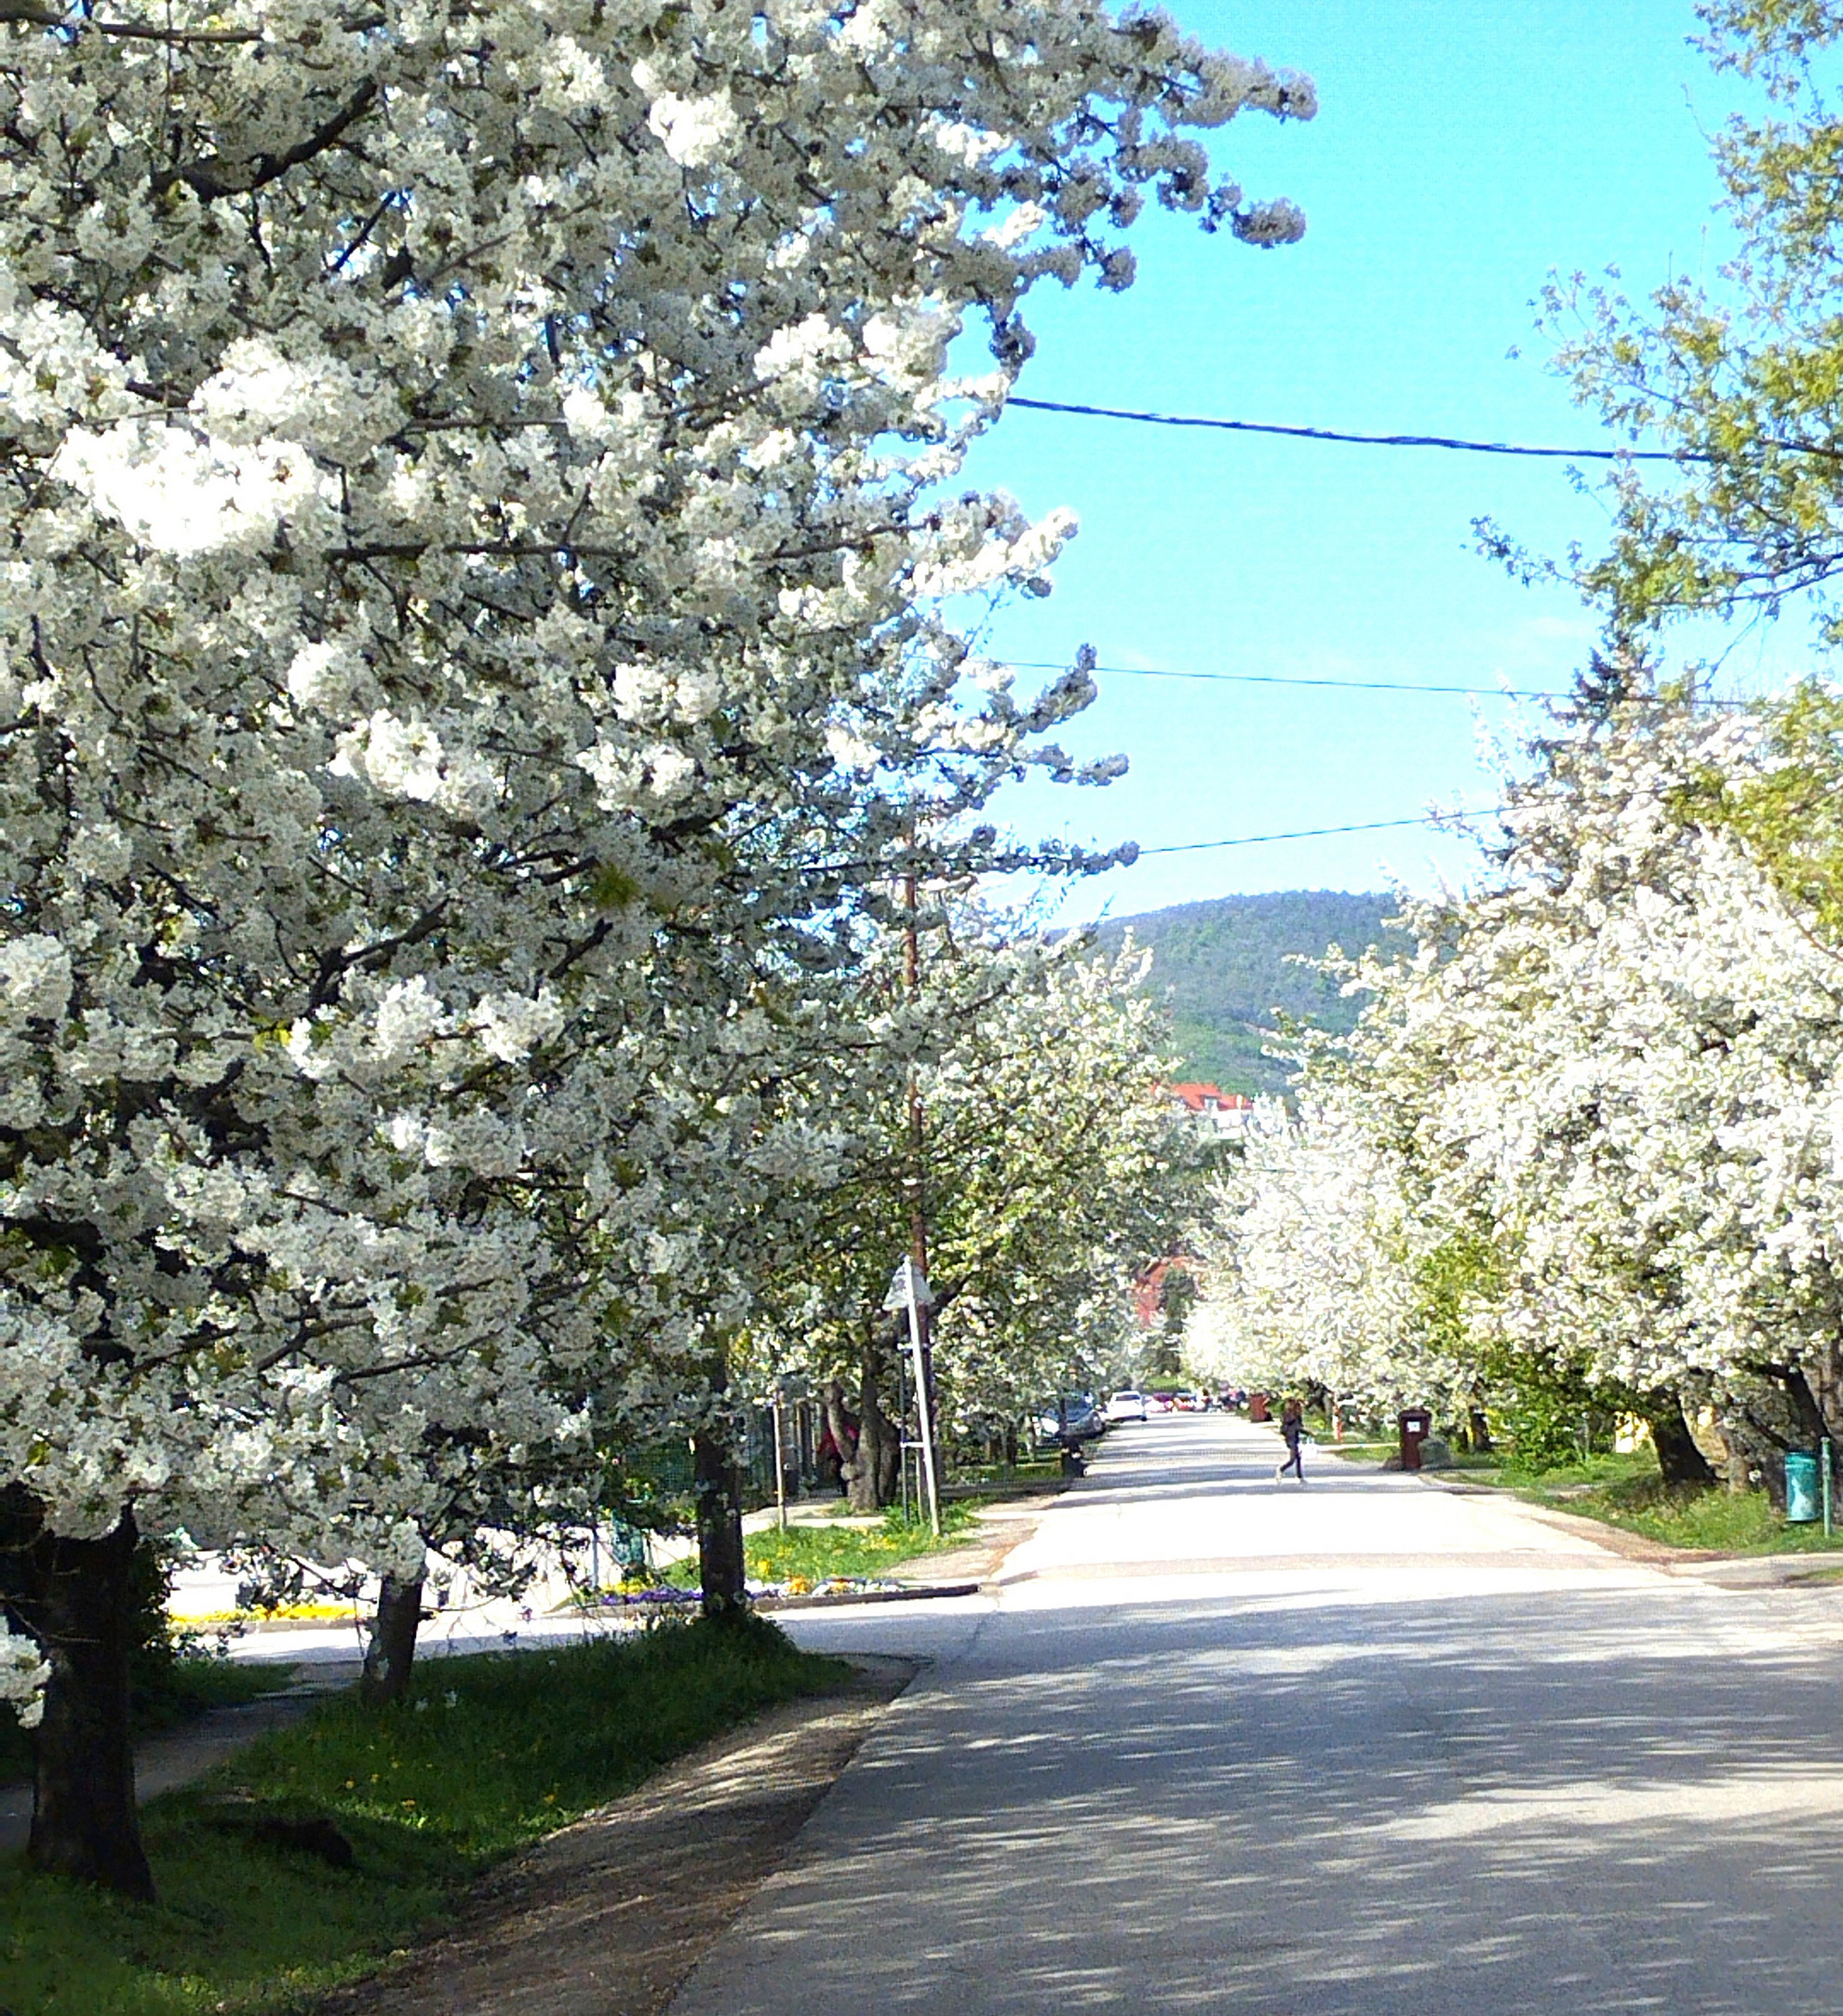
(1080, 1418)
(1127, 1405)
(1161, 1403)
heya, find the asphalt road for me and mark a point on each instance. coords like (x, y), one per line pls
(1220, 1744)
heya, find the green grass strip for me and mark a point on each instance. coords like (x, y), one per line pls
(488, 1755)
(1623, 1489)
(1721, 1520)
(814, 1550)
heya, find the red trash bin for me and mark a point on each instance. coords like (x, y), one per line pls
(1415, 1425)
(1258, 1408)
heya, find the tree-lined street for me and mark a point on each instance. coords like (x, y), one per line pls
(545, 1004)
(495, 814)
(1370, 1746)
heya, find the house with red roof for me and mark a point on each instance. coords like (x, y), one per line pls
(1228, 1112)
(1148, 1289)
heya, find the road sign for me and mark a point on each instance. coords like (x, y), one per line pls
(909, 1289)
(900, 1296)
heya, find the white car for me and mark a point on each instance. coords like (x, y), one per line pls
(1126, 1406)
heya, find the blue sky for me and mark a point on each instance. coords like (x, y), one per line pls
(1461, 152)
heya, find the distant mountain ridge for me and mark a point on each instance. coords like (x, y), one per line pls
(1223, 966)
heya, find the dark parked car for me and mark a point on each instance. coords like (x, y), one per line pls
(1079, 1419)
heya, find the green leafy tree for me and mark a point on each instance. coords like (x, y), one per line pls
(1788, 806)
(1742, 378)
(1048, 1169)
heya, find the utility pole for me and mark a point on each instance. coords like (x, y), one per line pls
(911, 972)
(920, 1314)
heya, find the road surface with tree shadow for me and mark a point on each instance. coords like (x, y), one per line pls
(1218, 1743)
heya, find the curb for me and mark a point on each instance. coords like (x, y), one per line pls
(262, 1627)
(846, 1598)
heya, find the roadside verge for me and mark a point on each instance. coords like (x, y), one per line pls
(607, 1917)
(967, 1569)
(1698, 1563)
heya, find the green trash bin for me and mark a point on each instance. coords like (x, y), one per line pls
(1802, 1508)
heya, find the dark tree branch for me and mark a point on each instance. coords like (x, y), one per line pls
(214, 179)
(29, 16)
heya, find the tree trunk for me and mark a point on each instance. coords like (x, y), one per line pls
(720, 1531)
(1477, 1431)
(889, 1462)
(1738, 1469)
(1777, 1416)
(860, 1473)
(75, 1597)
(875, 1472)
(842, 1430)
(1682, 1463)
(392, 1650)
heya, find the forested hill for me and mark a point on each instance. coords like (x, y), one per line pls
(1225, 965)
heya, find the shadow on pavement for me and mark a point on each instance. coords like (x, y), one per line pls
(1576, 1799)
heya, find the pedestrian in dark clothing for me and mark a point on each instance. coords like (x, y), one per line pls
(1292, 1426)
(838, 1443)
(829, 1460)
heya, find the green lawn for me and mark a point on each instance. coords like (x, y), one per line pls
(1607, 1469)
(488, 1755)
(1724, 1521)
(1625, 1491)
(815, 1550)
(1374, 1451)
(1033, 1470)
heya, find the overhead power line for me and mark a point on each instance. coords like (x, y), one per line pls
(1449, 442)
(1356, 686)
(1322, 833)
(1288, 679)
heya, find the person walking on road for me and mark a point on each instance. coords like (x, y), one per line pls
(1292, 1426)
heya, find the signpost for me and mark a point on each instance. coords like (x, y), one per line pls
(909, 1290)
(782, 1387)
